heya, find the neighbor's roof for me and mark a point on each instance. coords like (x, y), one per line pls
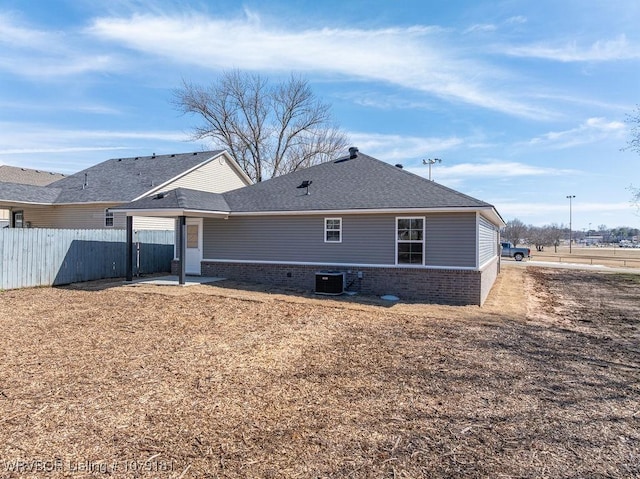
(15, 192)
(27, 176)
(124, 179)
(118, 180)
(361, 183)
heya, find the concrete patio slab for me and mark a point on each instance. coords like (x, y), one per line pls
(173, 280)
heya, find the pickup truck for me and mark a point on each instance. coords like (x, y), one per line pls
(516, 253)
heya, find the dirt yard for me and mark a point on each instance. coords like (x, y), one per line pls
(217, 381)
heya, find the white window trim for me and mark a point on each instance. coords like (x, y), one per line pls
(109, 214)
(424, 252)
(326, 230)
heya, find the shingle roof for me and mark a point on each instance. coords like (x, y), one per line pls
(348, 184)
(361, 183)
(11, 192)
(181, 199)
(27, 176)
(118, 180)
(124, 179)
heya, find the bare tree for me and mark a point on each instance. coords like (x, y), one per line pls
(634, 145)
(269, 129)
(515, 231)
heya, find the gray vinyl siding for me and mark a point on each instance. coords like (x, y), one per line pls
(451, 240)
(366, 239)
(488, 244)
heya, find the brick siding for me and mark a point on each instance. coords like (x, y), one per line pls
(445, 286)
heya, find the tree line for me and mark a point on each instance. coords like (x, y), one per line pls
(552, 234)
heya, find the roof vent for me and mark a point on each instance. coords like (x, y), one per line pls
(305, 184)
(153, 155)
(353, 152)
(398, 165)
(173, 156)
(195, 153)
(159, 196)
(86, 181)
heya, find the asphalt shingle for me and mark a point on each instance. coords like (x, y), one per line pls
(348, 184)
(361, 183)
(124, 179)
(27, 193)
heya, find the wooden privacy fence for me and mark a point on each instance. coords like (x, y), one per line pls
(45, 257)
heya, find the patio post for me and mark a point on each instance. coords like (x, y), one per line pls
(182, 248)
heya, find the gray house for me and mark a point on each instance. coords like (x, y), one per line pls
(85, 200)
(387, 230)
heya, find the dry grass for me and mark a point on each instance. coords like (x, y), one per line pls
(211, 381)
(592, 255)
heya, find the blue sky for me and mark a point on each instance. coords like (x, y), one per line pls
(525, 102)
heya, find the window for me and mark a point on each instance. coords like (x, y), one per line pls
(108, 218)
(410, 243)
(18, 219)
(192, 236)
(333, 230)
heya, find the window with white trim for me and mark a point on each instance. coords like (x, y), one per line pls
(410, 240)
(108, 218)
(333, 230)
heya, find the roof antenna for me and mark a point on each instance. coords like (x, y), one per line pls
(305, 184)
(86, 181)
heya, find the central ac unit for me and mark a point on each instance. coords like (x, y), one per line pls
(330, 282)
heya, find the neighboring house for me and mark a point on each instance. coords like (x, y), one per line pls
(23, 176)
(389, 230)
(85, 200)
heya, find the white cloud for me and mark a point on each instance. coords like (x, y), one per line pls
(599, 51)
(48, 54)
(13, 137)
(398, 147)
(416, 58)
(496, 169)
(481, 27)
(520, 210)
(516, 20)
(590, 131)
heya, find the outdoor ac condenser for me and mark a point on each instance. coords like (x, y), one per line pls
(330, 282)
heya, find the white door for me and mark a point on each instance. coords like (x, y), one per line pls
(194, 246)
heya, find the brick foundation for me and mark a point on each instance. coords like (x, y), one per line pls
(445, 286)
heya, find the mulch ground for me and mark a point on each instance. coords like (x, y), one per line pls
(215, 381)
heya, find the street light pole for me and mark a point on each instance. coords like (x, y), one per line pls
(431, 162)
(570, 197)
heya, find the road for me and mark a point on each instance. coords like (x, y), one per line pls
(508, 262)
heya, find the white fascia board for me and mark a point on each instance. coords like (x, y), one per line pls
(392, 211)
(12, 203)
(492, 215)
(342, 265)
(172, 213)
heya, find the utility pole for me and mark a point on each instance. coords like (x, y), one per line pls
(431, 162)
(570, 198)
